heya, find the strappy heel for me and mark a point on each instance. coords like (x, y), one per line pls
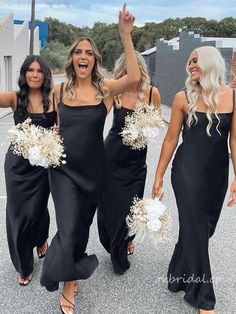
(130, 248)
(70, 307)
(76, 288)
(25, 280)
(42, 250)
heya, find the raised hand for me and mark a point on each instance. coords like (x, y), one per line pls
(126, 21)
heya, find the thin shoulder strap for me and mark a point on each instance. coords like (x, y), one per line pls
(233, 99)
(17, 100)
(150, 95)
(186, 95)
(61, 92)
(53, 101)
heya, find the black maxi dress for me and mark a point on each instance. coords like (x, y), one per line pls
(200, 180)
(125, 179)
(27, 187)
(76, 189)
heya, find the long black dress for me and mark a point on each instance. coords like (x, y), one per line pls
(27, 187)
(76, 189)
(200, 181)
(125, 179)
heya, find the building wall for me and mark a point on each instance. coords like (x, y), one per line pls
(43, 30)
(14, 48)
(21, 40)
(6, 52)
(170, 65)
(150, 61)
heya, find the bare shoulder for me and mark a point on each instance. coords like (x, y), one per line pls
(226, 91)
(57, 88)
(180, 101)
(155, 91)
(13, 96)
(156, 98)
(8, 99)
(181, 97)
(57, 91)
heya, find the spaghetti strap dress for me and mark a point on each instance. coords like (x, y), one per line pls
(27, 188)
(125, 179)
(200, 180)
(76, 189)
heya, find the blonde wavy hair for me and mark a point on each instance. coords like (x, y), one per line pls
(97, 76)
(120, 71)
(213, 77)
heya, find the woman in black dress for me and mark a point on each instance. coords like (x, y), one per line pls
(126, 169)
(27, 217)
(199, 172)
(83, 103)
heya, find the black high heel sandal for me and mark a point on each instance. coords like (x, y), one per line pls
(26, 280)
(41, 248)
(72, 306)
(130, 248)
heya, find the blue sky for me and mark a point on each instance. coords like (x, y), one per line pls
(87, 12)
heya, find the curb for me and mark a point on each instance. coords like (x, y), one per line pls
(5, 112)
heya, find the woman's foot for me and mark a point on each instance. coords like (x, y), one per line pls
(67, 300)
(130, 248)
(24, 281)
(42, 250)
(206, 311)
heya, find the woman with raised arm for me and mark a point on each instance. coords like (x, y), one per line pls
(126, 168)
(83, 103)
(206, 112)
(27, 187)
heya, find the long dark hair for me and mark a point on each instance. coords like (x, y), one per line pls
(46, 88)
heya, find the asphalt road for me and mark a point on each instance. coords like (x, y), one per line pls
(142, 289)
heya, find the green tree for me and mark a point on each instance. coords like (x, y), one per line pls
(107, 40)
(195, 24)
(55, 55)
(62, 32)
(210, 28)
(227, 27)
(106, 36)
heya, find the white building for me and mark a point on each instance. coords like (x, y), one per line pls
(14, 47)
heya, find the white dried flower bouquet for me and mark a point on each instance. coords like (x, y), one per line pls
(149, 217)
(141, 126)
(42, 147)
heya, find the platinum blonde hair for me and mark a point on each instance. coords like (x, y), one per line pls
(120, 71)
(97, 76)
(213, 77)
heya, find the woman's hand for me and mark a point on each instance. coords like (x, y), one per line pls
(55, 128)
(126, 21)
(232, 198)
(157, 189)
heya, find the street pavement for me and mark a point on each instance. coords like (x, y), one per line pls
(143, 288)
